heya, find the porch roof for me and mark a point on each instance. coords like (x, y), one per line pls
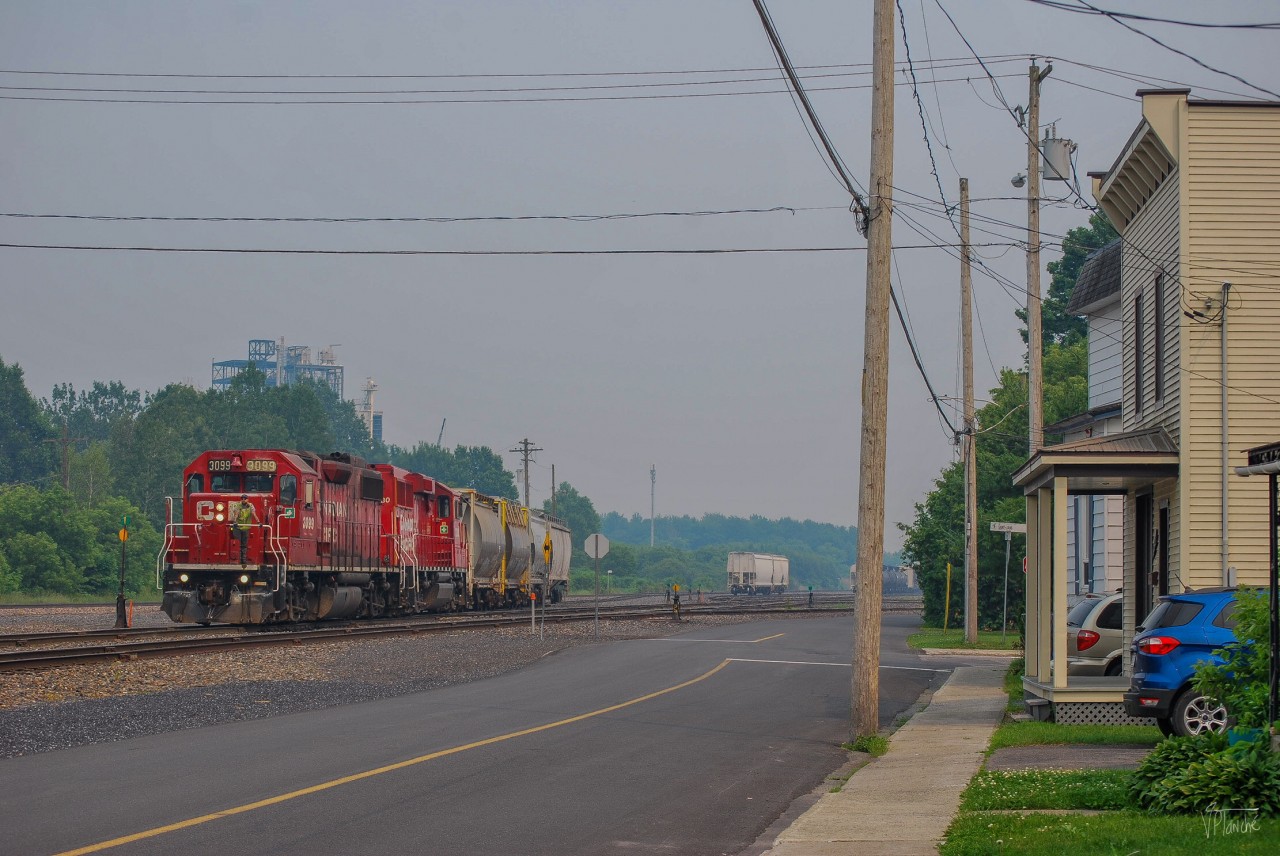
(1113, 463)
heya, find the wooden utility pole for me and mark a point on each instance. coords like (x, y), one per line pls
(865, 718)
(969, 436)
(1035, 370)
(526, 449)
(653, 492)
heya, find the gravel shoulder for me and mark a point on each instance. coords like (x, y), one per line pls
(102, 702)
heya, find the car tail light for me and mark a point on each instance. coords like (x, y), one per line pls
(1157, 645)
(1086, 639)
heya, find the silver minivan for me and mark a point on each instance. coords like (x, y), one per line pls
(1095, 626)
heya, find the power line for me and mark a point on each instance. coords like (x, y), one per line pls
(422, 101)
(574, 218)
(467, 91)
(780, 53)
(924, 125)
(1132, 16)
(462, 76)
(1119, 20)
(314, 252)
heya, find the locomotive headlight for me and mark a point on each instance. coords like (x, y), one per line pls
(219, 517)
(183, 578)
(244, 578)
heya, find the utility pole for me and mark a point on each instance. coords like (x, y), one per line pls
(865, 718)
(66, 441)
(970, 436)
(553, 490)
(653, 491)
(525, 450)
(1035, 370)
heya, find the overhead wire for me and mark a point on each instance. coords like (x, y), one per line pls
(924, 125)
(863, 212)
(1133, 16)
(1117, 18)
(417, 252)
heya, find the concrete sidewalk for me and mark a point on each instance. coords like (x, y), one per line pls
(901, 803)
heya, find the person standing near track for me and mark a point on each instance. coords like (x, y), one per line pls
(245, 518)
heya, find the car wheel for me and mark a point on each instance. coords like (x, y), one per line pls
(1165, 725)
(1195, 714)
(1115, 667)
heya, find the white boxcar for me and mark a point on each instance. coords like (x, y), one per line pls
(758, 573)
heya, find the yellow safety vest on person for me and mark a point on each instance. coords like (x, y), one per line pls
(244, 516)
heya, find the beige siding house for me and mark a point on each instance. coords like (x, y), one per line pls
(1195, 196)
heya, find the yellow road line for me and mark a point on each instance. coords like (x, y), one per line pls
(774, 636)
(367, 774)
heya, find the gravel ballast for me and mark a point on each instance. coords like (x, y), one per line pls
(102, 702)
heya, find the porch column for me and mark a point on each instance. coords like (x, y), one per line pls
(1060, 508)
(1044, 577)
(1031, 628)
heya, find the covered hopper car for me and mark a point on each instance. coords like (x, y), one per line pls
(265, 536)
(758, 573)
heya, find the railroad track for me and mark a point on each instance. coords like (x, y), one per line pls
(221, 638)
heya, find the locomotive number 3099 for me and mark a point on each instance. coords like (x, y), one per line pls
(254, 465)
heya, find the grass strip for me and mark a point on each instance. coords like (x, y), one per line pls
(1042, 733)
(1101, 790)
(988, 640)
(1111, 834)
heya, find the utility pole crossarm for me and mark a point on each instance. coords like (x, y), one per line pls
(525, 449)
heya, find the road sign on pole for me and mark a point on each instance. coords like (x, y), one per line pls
(1009, 527)
(597, 547)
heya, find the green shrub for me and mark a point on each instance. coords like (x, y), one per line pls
(1242, 682)
(1189, 777)
(1171, 757)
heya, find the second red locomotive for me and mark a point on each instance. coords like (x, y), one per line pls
(268, 535)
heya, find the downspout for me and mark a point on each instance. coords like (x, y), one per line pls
(1226, 442)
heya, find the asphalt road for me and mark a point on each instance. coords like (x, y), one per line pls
(691, 744)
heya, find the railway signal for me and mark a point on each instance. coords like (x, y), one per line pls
(122, 618)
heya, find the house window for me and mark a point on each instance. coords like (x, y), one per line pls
(1157, 365)
(1139, 346)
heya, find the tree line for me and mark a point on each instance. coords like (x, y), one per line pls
(75, 465)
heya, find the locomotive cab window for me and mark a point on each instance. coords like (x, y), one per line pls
(444, 506)
(195, 483)
(288, 489)
(224, 482)
(258, 482)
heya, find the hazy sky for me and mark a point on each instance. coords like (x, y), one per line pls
(736, 374)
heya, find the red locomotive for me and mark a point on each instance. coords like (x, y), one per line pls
(267, 535)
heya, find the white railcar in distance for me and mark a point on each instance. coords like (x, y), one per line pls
(758, 573)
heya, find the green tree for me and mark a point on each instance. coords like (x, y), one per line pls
(10, 580)
(480, 468)
(25, 454)
(1057, 327)
(150, 452)
(90, 472)
(579, 513)
(91, 414)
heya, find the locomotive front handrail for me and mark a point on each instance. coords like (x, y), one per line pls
(272, 539)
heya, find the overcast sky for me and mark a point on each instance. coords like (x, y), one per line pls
(737, 375)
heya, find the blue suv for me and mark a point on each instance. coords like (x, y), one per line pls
(1181, 631)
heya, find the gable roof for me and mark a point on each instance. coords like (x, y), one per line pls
(1099, 281)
